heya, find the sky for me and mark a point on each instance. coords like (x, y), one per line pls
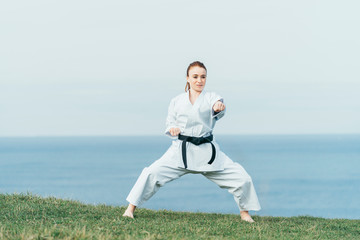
(88, 68)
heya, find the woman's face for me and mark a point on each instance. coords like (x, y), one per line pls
(197, 78)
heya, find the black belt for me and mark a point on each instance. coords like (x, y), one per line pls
(196, 141)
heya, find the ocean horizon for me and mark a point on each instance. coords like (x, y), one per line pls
(294, 174)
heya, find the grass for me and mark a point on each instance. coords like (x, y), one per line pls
(25, 216)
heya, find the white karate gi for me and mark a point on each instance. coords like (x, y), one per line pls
(196, 120)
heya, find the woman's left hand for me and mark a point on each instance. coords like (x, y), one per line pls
(218, 106)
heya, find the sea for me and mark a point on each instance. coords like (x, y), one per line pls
(294, 175)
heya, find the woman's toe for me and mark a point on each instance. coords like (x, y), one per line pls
(128, 214)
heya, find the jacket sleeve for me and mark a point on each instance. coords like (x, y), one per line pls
(213, 99)
(171, 118)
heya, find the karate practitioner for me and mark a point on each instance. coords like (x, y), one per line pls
(191, 118)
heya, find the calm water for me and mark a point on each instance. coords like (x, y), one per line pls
(316, 175)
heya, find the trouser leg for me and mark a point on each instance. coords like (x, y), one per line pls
(151, 179)
(237, 181)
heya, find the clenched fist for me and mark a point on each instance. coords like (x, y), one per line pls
(174, 131)
(218, 106)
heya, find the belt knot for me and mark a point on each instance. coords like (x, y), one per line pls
(197, 141)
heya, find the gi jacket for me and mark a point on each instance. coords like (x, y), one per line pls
(196, 120)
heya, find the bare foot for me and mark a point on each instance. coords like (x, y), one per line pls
(129, 211)
(246, 217)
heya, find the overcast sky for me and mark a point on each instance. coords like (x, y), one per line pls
(111, 67)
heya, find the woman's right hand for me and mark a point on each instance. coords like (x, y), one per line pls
(174, 131)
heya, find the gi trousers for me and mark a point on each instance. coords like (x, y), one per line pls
(234, 178)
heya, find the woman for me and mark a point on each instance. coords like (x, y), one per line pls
(191, 118)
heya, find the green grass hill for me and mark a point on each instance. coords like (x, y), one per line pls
(25, 216)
